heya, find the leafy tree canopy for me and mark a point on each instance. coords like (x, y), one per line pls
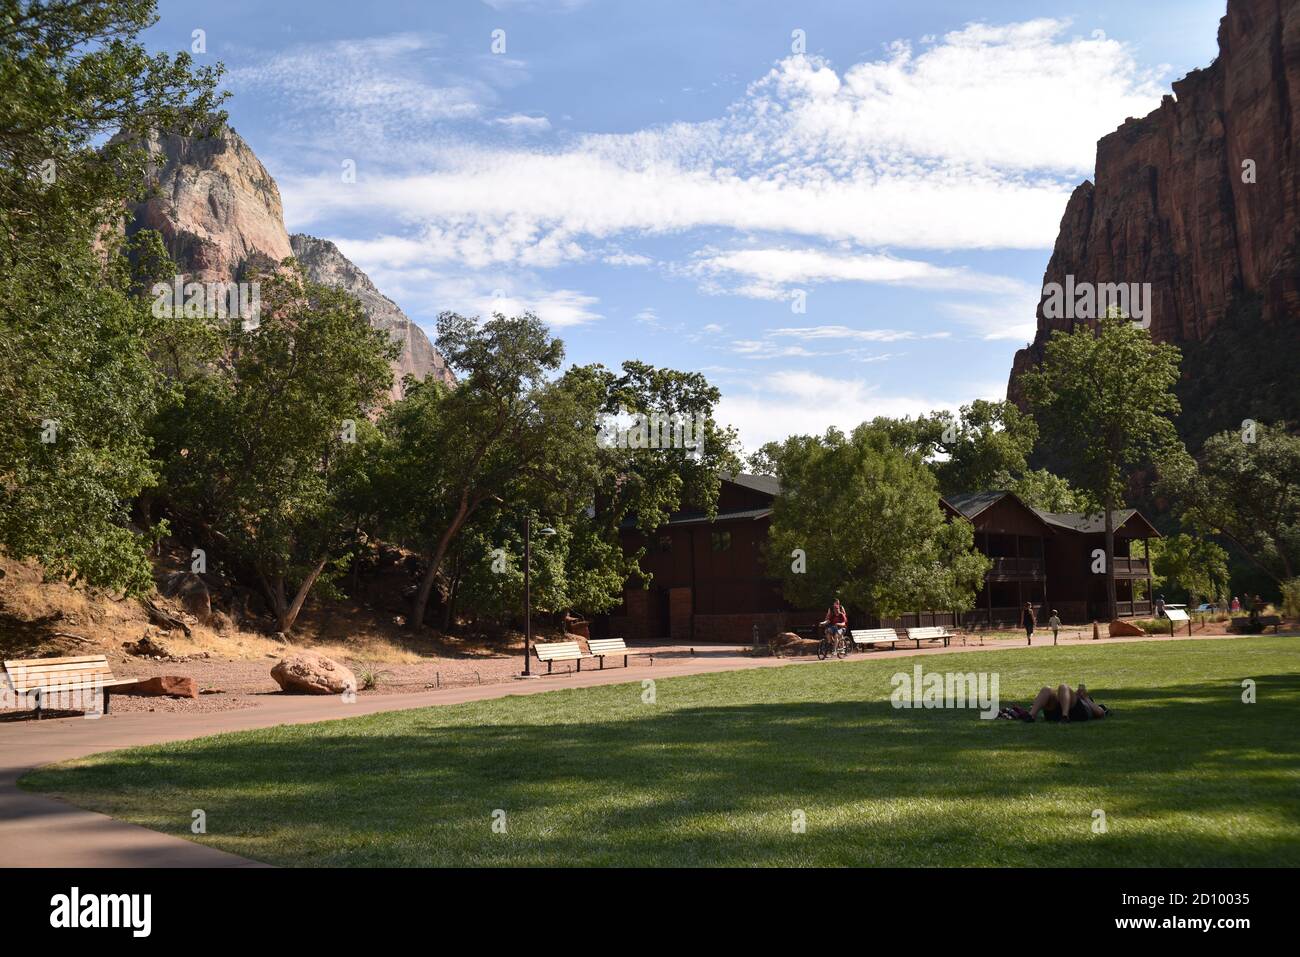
(867, 519)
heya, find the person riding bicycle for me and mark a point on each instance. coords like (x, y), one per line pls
(837, 619)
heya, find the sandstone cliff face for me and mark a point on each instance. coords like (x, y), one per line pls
(216, 207)
(219, 213)
(1171, 207)
(323, 262)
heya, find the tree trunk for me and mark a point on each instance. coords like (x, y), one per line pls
(1111, 602)
(421, 603)
(288, 616)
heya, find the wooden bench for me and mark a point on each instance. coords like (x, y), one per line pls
(932, 633)
(600, 647)
(875, 636)
(39, 678)
(1265, 621)
(553, 651)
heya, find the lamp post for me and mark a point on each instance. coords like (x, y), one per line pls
(528, 590)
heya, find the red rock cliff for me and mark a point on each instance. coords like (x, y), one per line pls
(1171, 204)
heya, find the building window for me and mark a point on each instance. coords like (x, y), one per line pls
(665, 543)
(721, 541)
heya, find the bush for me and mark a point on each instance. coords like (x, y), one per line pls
(1291, 598)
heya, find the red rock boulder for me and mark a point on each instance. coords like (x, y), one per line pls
(306, 672)
(162, 686)
(1125, 629)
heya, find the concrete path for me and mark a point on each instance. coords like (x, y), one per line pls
(39, 831)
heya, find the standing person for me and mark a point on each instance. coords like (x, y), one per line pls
(1055, 624)
(1160, 607)
(1236, 603)
(1027, 622)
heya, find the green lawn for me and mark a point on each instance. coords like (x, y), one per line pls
(714, 770)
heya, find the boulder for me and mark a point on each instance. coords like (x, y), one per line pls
(168, 686)
(306, 672)
(147, 647)
(1125, 629)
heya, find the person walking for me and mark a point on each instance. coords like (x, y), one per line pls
(1027, 622)
(1055, 624)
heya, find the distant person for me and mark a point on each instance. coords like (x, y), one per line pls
(1160, 607)
(1066, 705)
(837, 618)
(1055, 624)
(1027, 622)
(1236, 603)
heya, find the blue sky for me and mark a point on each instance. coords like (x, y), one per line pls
(834, 210)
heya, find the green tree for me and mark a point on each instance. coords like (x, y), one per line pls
(509, 435)
(1246, 488)
(975, 449)
(260, 452)
(867, 518)
(1039, 488)
(76, 379)
(1193, 565)
(1103, 398)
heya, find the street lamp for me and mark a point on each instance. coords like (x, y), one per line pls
(545, 532)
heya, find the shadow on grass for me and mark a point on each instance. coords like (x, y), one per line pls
(1186, 775)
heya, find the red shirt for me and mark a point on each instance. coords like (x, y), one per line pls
(837, 617)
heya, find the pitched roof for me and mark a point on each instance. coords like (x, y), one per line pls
(971, 504)
(1086, 524)
(730, 515)
(767, 484)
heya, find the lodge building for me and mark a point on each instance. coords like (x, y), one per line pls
(710, 582)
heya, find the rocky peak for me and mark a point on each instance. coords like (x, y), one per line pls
(219, 213)
(214, 203)
(323, 262)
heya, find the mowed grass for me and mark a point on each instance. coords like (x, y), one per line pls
(715, 771)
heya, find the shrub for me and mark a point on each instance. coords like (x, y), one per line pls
(1291, 598)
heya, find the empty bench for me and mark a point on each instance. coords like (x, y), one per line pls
(553, 651)
(600, 647)
(44, 678)
(875, 636)
(932, 633)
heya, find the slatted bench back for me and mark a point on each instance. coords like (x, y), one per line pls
(54, 673)
(558, 651)
(869, 636)
(607, 646)
(936, 631)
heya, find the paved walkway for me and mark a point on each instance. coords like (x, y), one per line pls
(40, 831)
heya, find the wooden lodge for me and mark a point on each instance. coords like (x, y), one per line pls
(710, 582)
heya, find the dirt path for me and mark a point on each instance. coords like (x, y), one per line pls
(38, 831)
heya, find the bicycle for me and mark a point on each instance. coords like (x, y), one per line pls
(833, 642)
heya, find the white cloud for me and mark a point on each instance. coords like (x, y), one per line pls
(845, 332)
(777, 269)
(789, 403)
(361, 92)
(522, 123)
(424, 287)
(972, 143)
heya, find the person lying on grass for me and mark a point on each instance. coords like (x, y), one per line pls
(1066, 705)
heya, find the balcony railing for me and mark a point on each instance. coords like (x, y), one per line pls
(1016, 568)
(1133, 567)
(1132, 609)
